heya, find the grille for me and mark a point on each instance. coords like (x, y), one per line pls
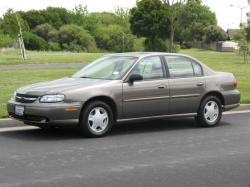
(23, 98)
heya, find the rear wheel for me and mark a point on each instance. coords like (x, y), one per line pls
(96, 119)
(210, 112)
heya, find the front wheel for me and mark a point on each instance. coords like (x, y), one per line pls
(96, 119)
(210, 112)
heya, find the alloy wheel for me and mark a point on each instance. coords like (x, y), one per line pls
(211, 112)
(98, 119)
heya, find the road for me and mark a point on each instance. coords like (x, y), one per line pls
(156, 153)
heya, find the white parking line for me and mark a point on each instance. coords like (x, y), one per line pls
(9, 129)
(236, 112)
(5, 119)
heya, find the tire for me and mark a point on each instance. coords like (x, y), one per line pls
(210, 112)
(96, 119)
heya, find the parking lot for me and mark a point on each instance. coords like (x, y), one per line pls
(155, 153)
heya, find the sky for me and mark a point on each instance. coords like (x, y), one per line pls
(228, 16)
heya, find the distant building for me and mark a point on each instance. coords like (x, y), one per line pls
(222, 46)
(232, 32)
(227, 46)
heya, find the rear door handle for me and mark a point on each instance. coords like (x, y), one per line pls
(161, 86)
(200, 84)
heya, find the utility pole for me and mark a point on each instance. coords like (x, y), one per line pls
(241, 12)
(20, 40)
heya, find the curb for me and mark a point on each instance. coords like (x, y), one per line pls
(8, 122)
(242, 107)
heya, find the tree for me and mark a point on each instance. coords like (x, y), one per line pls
(53, 15)
(149, 19)
(111, 38)
(33, 17)
(122, 16)
(194, 1)
(105, 18)
(172, 6)
(34, 42)
(57, 17)
(79, 13)
(240, 35)
(81, 17)
(1, 29)
(75, 38)
(244, 45)
(46, 31)
(81, 10)
(9, 23)
(193, 17)
(214, 34)
(6, 41)
(247, 31)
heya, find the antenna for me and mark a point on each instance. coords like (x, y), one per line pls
(20, 40)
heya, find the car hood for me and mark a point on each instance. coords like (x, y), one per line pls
(59, 86)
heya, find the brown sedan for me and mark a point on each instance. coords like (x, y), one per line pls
(125, 87)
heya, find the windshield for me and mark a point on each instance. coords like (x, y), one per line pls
(111, 68)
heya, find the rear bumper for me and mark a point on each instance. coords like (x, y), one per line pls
(51, 113)
(230, 107)
(232, 99)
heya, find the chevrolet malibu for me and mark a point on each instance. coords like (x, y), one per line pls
(127, 87)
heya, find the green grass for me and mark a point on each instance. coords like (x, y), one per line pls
(13, 57)
(12, 79)
(227, 62)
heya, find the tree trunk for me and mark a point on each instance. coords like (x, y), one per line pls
(172, 30)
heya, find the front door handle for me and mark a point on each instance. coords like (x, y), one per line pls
(200, 84)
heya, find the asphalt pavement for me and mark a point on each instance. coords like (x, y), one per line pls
(155, 153)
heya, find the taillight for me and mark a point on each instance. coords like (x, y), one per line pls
(235, 83)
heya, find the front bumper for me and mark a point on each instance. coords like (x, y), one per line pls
(39, 114)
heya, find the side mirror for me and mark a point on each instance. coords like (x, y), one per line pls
(135, 77)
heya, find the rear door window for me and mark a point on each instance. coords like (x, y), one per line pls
(179, 67)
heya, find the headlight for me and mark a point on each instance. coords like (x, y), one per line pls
(52, 98)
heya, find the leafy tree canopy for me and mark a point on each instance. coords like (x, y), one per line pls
(53, 15)
(215, 33)
(192, 18)
(75, 38)
(149, 19)
(247, 30)
(10, 21)
(34, 42)
(110, 38)
(46, 31)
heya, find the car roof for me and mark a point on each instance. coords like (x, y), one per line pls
(147, 54)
